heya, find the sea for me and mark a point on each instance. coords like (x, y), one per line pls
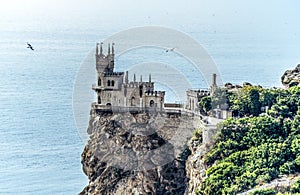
(40, 144)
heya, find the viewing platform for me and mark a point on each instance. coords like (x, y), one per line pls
(135, 109)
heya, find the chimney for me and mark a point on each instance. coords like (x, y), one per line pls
(214, 79)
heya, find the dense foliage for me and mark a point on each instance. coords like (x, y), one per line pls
(257, 148)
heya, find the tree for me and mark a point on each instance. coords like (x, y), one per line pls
(205, 104)
(254, 103)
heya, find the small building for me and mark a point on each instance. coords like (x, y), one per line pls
(193, 98)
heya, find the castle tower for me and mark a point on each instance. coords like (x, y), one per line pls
(104, 63)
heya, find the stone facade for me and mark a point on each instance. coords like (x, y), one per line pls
(114, 89)
(193, 98)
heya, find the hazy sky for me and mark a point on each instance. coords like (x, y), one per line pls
(64, 14)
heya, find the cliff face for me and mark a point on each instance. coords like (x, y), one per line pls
(291, 77)
(137, 153)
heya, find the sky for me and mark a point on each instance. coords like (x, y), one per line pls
(266, 15)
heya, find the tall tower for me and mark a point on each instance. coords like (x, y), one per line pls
(213, 86)
(104, 63)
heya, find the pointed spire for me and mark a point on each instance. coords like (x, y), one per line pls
(101, 50)
(126, 77)
(141, 79)
(97, 48)
(150, 78)
(134, 77)
(108, 49)
(113, 49)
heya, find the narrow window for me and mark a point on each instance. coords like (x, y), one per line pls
(132, 101)
(151, 103)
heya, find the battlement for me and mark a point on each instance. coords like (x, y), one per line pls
(155, 93)
(113, 73)
(198, 92)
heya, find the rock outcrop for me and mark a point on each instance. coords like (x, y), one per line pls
(139, 153)
(291, 77)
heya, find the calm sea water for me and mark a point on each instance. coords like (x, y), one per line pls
(40, 148)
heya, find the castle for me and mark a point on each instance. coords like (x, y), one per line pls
(116, 93)
(114, 90)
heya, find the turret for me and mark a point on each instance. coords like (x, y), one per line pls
(101, 50)
(111, 57)
(104, 63)
(126, 77)
(97, 48)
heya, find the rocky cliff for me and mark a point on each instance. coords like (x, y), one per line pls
(141, 153)
(291, 77)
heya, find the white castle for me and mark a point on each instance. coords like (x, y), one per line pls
(115, 90)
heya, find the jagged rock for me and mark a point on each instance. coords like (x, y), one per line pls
(291, 77)
(247, 84)
(136, 153)
(229, 85)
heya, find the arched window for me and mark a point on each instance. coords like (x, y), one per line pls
(108, 83)
(151, 103)
(112, 83)
(132, 101)
(99, 100)
(99, 81)
(108, 104)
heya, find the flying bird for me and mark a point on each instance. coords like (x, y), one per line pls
(29, 46)
(171, 49)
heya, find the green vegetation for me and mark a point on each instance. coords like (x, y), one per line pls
(264, 192)
(197, 135)
(205, 105)
(257, 148)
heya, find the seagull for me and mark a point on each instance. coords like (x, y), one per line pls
(29, 46)
(171, 49)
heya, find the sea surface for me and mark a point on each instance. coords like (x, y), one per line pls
(40, 147)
